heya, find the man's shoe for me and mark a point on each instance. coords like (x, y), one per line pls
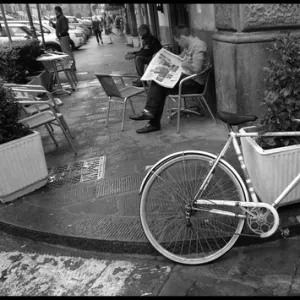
(137, 84)
(148, 128)
(142, 116)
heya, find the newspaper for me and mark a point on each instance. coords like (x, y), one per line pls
(164, 68)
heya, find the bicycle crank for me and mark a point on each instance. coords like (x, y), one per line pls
(262, 218)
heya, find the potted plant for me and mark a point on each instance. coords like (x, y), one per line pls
(23, 166)
(273, 162)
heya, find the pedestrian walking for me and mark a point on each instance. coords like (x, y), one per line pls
(62, 33)
(97, 29)
(118, 23)
(108, 25)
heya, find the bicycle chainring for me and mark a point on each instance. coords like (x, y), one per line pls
(260, 220)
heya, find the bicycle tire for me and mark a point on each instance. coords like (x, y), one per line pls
(208, 223)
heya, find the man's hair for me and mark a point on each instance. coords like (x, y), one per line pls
(145, 27)
(181, 30)
(58, 8)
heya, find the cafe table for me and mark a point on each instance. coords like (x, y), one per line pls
(55, 58)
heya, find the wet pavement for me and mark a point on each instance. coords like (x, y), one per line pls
(91, 200)
(30, 268)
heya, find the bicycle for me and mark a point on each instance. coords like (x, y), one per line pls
(194, 204)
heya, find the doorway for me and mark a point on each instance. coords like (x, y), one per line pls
(178, 15)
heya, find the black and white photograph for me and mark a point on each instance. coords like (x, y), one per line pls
(149, 149)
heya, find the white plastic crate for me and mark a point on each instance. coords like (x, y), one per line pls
(271, 170)
(23, 167)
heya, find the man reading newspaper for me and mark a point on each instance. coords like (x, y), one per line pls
(167, 74)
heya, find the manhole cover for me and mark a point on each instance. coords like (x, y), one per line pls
(83, 171)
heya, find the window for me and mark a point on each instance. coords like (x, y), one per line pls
(16, 31)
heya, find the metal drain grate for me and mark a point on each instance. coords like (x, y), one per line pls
(83, 171)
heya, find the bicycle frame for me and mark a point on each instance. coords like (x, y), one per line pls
(233, 139)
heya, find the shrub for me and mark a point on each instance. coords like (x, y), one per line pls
(18, 60)
(10, 129)
(282, 94)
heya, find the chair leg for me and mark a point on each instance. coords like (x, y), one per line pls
(51, 135)
(51, 127)
(66, 126)
(131, 106)
(123, 117)
(169, 108)
(66, 135)
(69, 79)
(178, 115)
(211, 114)
(200, 101)
(73, 76)
(107, 114)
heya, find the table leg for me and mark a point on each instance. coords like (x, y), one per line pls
(60, 89)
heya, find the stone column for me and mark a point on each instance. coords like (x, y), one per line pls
(240, 50)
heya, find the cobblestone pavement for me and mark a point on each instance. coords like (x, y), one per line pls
(91, 200)
(28, 268)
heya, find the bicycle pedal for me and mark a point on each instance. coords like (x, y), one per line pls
(285, 233)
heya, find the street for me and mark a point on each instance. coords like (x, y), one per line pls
(37, 269)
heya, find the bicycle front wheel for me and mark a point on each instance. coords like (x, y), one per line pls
(204, 236)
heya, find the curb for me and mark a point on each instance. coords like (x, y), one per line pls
(118, 247)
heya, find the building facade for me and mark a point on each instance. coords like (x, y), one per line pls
(237, 36)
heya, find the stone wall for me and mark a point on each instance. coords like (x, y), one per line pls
(202, 24)
(240, 50)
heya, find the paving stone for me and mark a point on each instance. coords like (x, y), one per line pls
(119, 185)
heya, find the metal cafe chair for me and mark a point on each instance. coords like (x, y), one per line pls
(32, 109)
(181, 107)
(49, 117)
(123, 95)
(62, 65)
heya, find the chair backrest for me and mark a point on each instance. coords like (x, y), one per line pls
(109, 85)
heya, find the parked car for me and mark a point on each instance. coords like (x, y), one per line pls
(76, 38)
(19, 31)
(7, 18)
(74, 22)
(87, 21)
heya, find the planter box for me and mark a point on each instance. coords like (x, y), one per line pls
(136, 42)
(271, 170)
(23, 167)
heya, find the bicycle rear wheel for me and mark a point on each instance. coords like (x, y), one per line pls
(163, 210)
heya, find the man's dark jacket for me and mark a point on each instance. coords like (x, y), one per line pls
(151, 45)
(61, 26)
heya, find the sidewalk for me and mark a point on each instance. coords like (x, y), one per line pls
(91, 200)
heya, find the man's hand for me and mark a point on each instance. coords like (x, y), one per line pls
(129, 56)
(185, 64)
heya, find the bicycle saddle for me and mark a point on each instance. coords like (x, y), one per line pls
(235, 119)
